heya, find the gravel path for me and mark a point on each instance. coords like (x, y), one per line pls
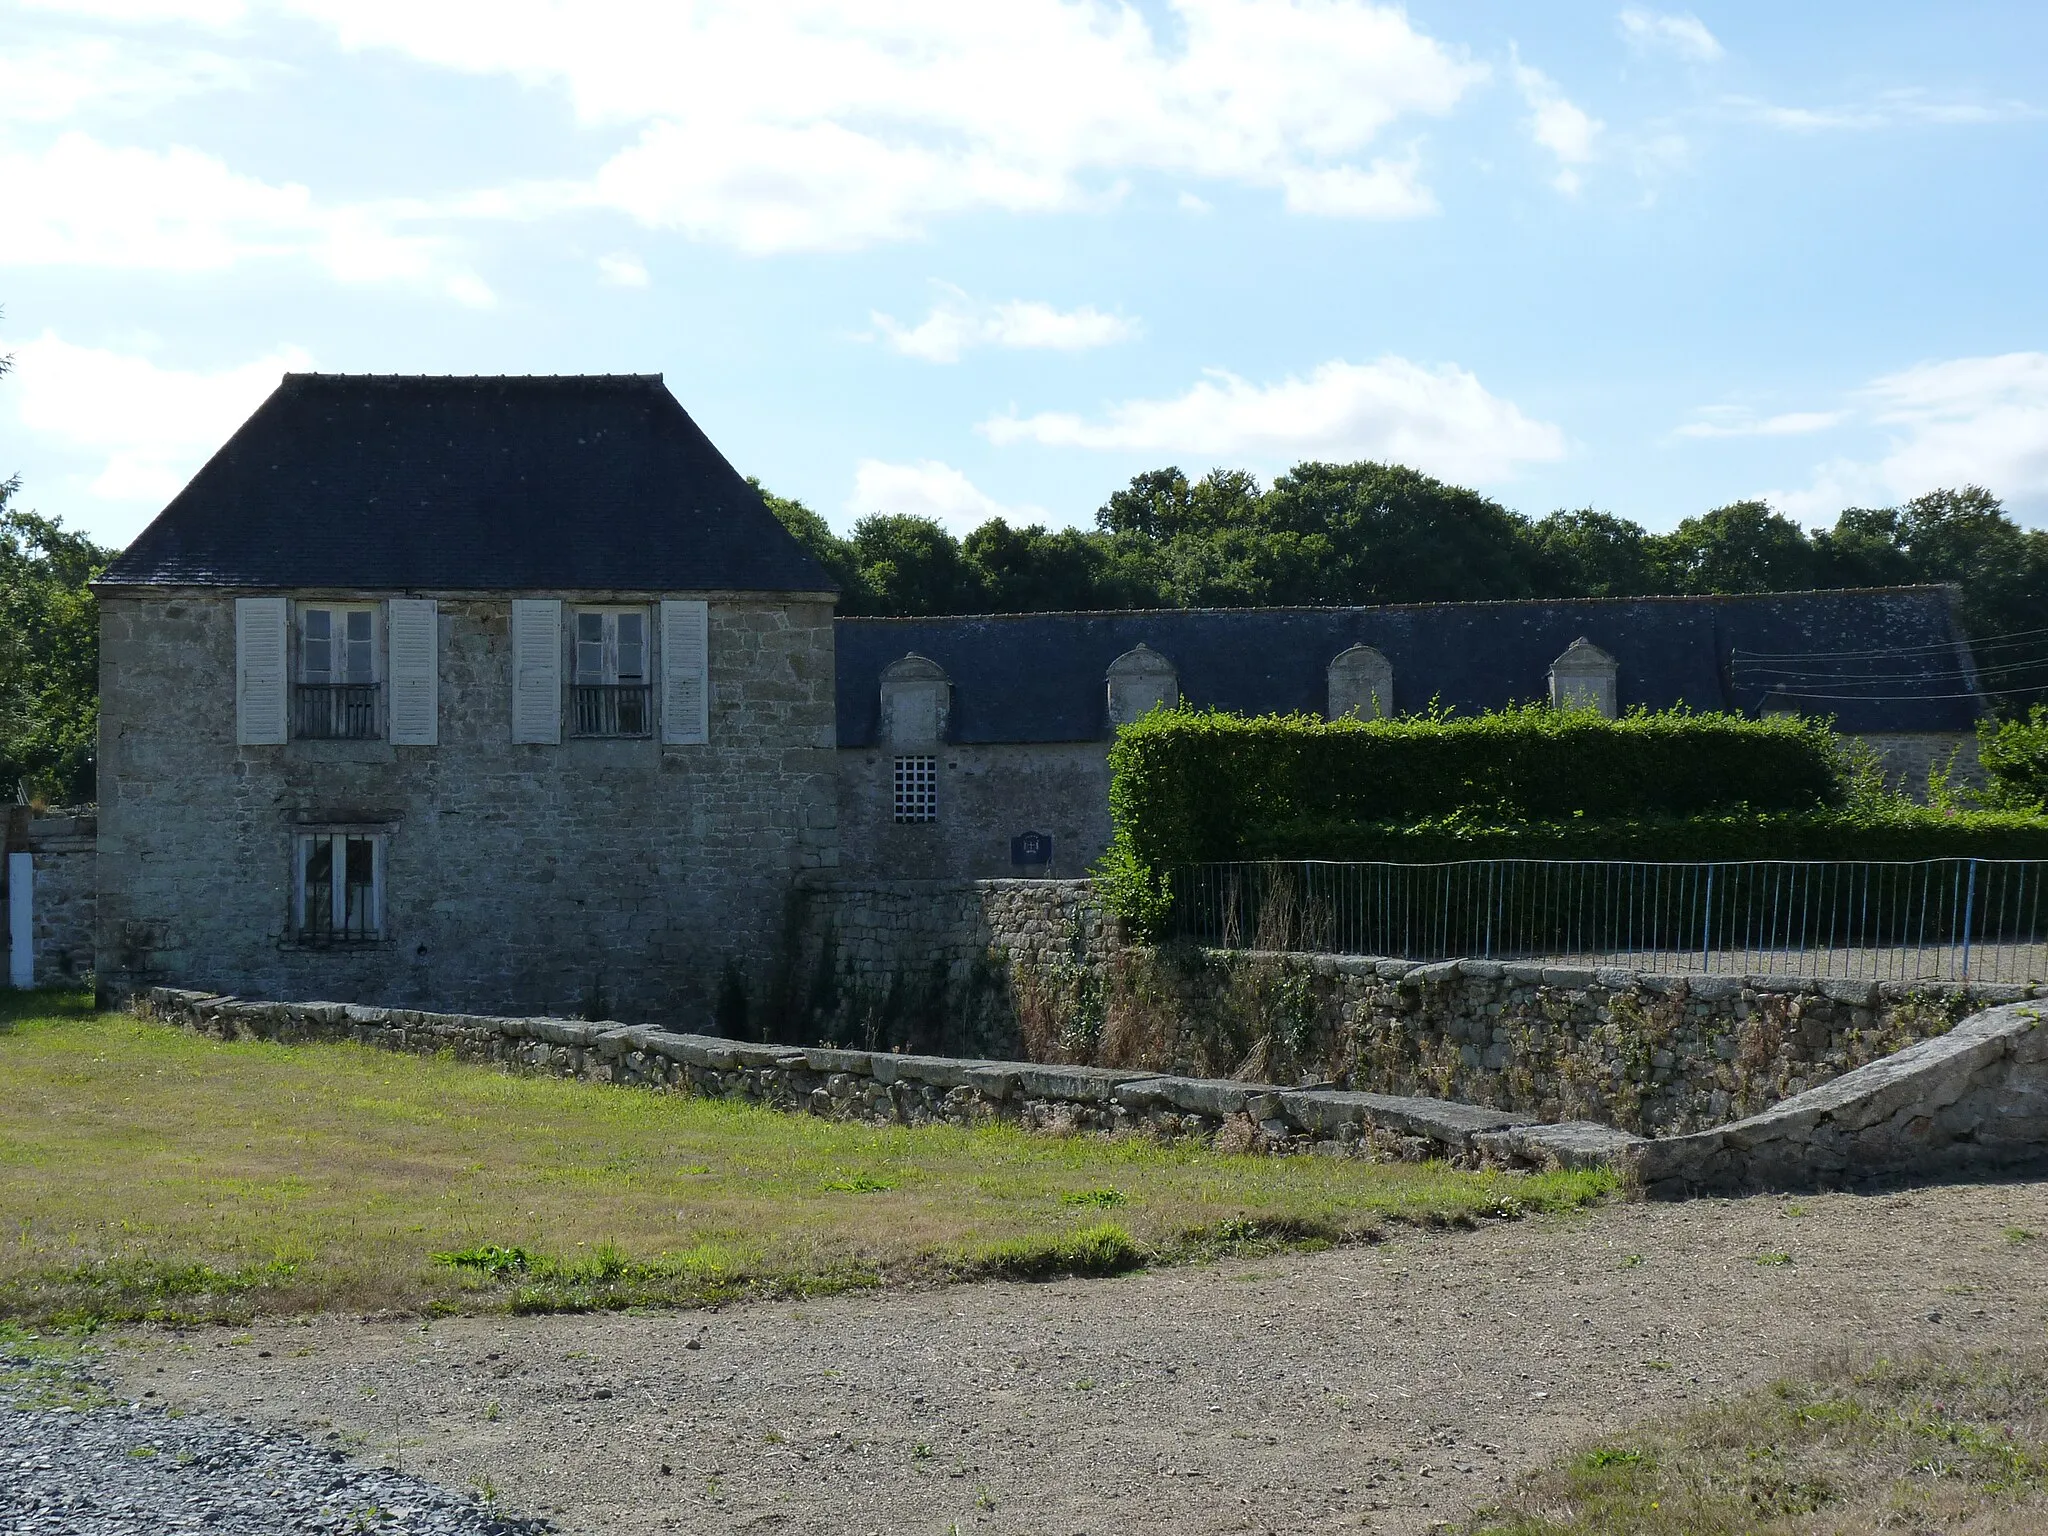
(1382, 1388)
(75, 1461)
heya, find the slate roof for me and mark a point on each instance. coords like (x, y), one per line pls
(1040, 677)
(409, 483)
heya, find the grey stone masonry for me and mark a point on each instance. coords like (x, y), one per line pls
(621, 877)
(1975, 1100)
(879, 1087)
(61, 849)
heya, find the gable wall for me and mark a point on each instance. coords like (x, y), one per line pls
(552, 879)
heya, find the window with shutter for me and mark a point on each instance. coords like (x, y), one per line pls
(685, 671)
(338, 695)
(610, 694)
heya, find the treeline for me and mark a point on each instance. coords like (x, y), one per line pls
(1331, 534)
(49, 657)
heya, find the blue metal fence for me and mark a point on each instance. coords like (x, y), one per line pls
(1932, 919)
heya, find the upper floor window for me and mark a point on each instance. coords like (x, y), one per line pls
(338, 694)
(613, 692)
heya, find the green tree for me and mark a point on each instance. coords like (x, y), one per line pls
(1395, 535)
(825, 546)
(1035, 570)
(49, 655)
(1742, 547)
(910, 565)
(1591, 554)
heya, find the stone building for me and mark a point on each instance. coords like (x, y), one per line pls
(473, 692)
(1000, 766)
(510, 694)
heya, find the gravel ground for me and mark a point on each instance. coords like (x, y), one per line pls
(75, 1461)
(1384, 1388)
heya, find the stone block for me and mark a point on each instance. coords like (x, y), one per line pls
(1392, 970)
(1574, 1144)
(756, 1057)
(1523, 973)
(1857, 994)
(1435, 974)
(930, 1071)
(1713, 989)
(1073, 1085)
(1482, 970)
(824, 1060)
(1615, 978)
(1219, 1097)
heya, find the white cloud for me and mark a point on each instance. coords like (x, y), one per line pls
(931, 489)
(145, 428)
(1439, 419)
(622, 269)
(1683, 34)
(1729, 421)
(80, 203)
(958, 323)
(1570, 133)
(1971, 420)
(826, 124)
(205, 13)
(1889, 109)
(51, 82)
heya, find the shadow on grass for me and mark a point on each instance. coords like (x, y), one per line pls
(43, 1005)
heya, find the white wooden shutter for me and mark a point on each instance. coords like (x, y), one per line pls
(537, 669)
(261, 625)
(415, 675)
(685, 683)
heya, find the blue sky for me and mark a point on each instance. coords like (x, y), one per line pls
(914, 255)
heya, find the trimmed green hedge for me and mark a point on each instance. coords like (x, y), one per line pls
(1192, 787)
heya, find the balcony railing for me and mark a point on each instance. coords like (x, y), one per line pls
(612, 709)
(336, 711)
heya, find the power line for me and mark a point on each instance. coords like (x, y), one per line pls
(1989, 642)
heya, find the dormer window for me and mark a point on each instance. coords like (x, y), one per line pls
(338, 692)
(612, 692)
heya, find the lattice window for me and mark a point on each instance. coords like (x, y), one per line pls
(917, 789)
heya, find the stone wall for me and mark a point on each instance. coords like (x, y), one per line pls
(928, 964)
(61, 848)
(1972, 1101)
(892, 1088)
(619, 878)
(1648, 1053)
(987, 795)
(1909, 756)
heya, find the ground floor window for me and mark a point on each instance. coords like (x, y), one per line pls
(917, 789)
(339, 897)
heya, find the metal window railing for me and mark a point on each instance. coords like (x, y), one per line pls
(336, 711)
(612, 709)
(1932, 919)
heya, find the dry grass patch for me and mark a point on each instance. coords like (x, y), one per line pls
(1947, 1442)
(147, 1172)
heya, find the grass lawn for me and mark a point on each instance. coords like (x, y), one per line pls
(147, 1172)
(1946, 1441)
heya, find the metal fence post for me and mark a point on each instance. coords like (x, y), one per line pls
(1969, 911)
(1707, 925)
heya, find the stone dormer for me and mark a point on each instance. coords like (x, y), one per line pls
(1584, 678)
(917, 703)
(1361, 683)
(1140, 681)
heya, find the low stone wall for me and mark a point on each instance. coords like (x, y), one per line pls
(1649, 1053)
(1973, 1101)
(62, 850)
(888, 1088)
